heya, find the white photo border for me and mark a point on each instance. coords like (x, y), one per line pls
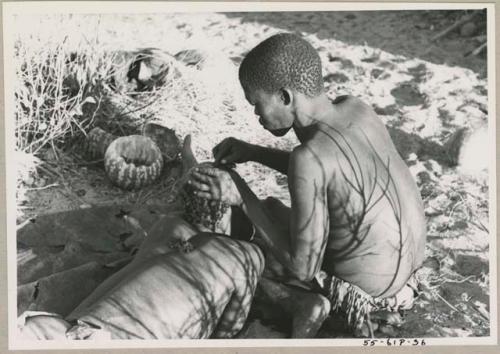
(63, 7)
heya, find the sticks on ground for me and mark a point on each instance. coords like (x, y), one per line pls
(477, 50)
(457, 24)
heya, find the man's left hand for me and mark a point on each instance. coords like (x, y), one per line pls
(215, 184)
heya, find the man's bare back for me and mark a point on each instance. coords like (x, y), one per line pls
(376, 222)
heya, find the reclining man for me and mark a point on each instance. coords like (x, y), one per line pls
(187, 280)
(356, 229)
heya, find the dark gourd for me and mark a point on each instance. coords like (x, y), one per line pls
(97, 143)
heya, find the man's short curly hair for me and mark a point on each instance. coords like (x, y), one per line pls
(282, 61)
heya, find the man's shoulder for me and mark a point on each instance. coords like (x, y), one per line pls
(350, 103)
(341, 99)
(305, 155)
(307, 164)
(302, 152)
(316, 152)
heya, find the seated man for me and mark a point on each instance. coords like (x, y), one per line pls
(187, 280)
(356, 228)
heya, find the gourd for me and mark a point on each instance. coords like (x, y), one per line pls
(133, 161)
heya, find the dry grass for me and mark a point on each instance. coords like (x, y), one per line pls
(55, 90)
(54, 85)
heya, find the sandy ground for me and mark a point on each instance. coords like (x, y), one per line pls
(387, 59)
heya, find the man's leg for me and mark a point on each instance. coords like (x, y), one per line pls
(280, 215)
(308, 309)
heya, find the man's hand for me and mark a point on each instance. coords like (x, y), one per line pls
(215, 184)
(231, 150)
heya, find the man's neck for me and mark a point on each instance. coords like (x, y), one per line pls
(309, 112)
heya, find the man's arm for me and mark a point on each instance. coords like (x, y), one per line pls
(301, 251)
(274, 158)
(309, 220)
(232, 150)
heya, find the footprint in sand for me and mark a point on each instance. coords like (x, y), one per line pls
(372, 59)
(346, 63)
(336, 77)
(379, 74)
(390, 110)
(419, 72)
(375, 73)
(407, 94)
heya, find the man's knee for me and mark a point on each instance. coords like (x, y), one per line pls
(162, 234)
(171, 226)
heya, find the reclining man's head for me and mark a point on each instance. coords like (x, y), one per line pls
(204, 214)
(276, 70)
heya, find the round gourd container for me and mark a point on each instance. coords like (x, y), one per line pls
(133, 162)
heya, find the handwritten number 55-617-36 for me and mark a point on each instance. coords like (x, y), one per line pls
(393, 342)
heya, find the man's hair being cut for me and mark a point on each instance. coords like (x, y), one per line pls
(282, 61)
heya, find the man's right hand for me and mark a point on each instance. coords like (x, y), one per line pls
(231, 150)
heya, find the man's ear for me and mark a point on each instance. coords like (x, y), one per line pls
(286, 96)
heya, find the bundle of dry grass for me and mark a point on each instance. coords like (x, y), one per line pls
(57, 92)
(54, 93)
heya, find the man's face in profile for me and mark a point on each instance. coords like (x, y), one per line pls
(271, 111)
